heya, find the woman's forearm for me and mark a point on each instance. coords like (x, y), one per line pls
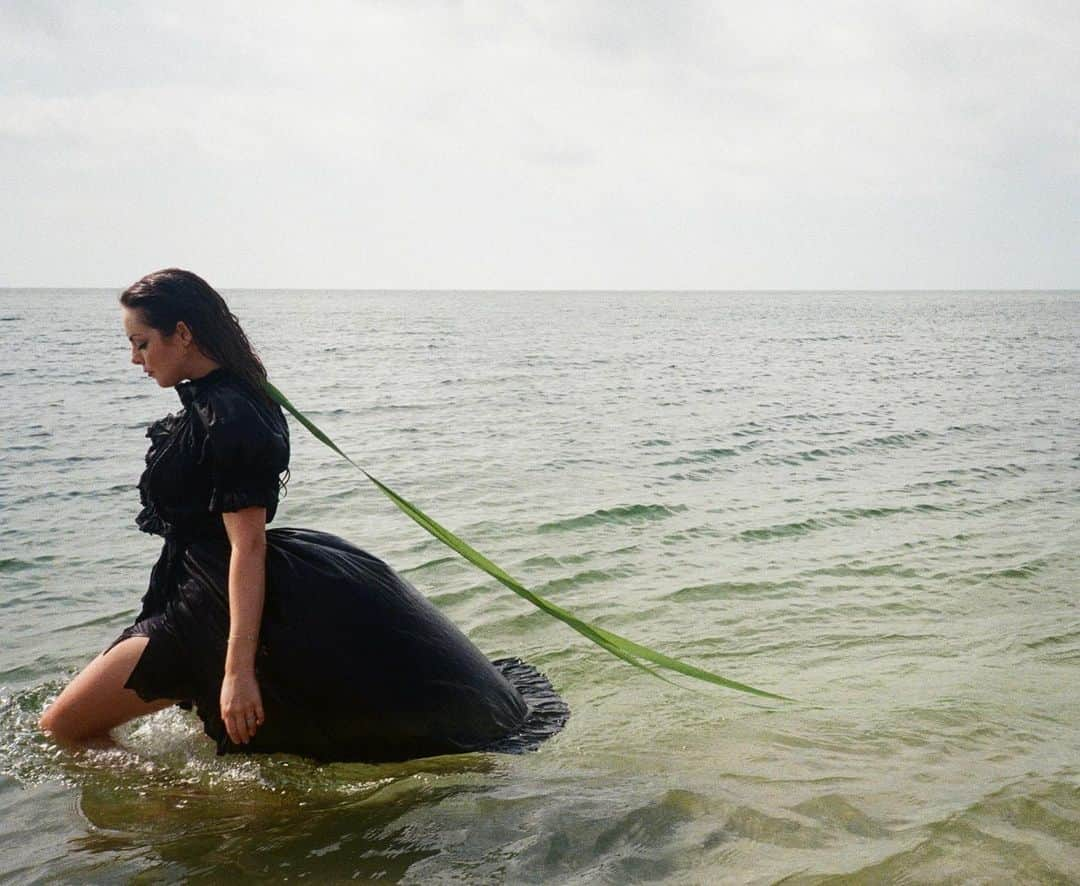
(247, 590)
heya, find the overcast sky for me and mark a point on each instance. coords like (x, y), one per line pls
(645, 145)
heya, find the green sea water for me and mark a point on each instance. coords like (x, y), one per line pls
(867, 501)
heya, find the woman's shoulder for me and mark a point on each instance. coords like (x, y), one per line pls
(231, 412)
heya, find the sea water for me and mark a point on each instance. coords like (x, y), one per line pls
(869, 502)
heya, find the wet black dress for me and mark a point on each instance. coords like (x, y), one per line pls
(353, 662)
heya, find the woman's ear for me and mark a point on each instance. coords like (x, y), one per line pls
(184, 332)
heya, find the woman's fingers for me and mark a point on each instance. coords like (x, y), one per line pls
(252, 721)
(241, 725)
(232, 726)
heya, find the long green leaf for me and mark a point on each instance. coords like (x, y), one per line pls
(627, 650)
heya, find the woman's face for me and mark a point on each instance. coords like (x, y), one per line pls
(163, 357)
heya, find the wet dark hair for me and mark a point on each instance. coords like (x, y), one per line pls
(166, 297)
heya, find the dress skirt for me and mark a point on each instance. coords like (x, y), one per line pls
(353, 662)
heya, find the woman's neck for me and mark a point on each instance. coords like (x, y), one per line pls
(199, 366)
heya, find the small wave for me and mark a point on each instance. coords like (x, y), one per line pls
(701, 455)
(543, 561)
(322, 413)
(460, 595)
(692, 532)
(760, 827)
(806, 455)
(1021, 571)
(993, 840)
(627, 514)
(721, 589)
(546, 561)
(853, 448)
(856, 513)
(807, 339)
(1055, 641)
(385, 407)
(975, 428)
(589, 576)
(835, 811)
(14, 564)
(750, 429)
(339, 495)
(783, 530)
(902, 439)
(74, 494)
(858, 570)
(429, 564)
(1004, 504)
(73, 459)
(805, 416)
(701, 475)
(931, 484)
(120, 617)
(841, 517)
(989, 472)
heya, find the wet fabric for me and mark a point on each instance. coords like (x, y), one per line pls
(353, 662)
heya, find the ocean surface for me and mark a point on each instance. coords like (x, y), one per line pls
(869, 502)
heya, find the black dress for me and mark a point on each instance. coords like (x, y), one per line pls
(353, 662)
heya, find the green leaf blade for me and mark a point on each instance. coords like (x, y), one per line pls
(621, 647)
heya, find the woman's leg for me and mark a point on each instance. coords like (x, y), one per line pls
(96, 700)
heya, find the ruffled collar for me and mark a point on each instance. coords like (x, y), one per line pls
(188, 390)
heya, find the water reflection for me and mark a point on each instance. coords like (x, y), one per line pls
(266, 817)
(196, 834)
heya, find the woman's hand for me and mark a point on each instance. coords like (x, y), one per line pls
(241, 706)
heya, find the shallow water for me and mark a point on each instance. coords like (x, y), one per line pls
(869, 502)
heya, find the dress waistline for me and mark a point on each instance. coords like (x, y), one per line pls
(163, 574)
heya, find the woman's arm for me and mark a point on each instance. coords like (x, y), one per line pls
(241, 701)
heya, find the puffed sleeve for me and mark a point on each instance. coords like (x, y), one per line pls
(247, 448)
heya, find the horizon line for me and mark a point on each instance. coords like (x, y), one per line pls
(560, 290)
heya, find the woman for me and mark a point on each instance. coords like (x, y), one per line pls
(284, 639)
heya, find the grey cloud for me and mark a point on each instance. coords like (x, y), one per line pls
(694, 145)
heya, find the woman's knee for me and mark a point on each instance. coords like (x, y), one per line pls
(96, 701)
(61, 721)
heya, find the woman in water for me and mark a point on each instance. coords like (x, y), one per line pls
(283, 640)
